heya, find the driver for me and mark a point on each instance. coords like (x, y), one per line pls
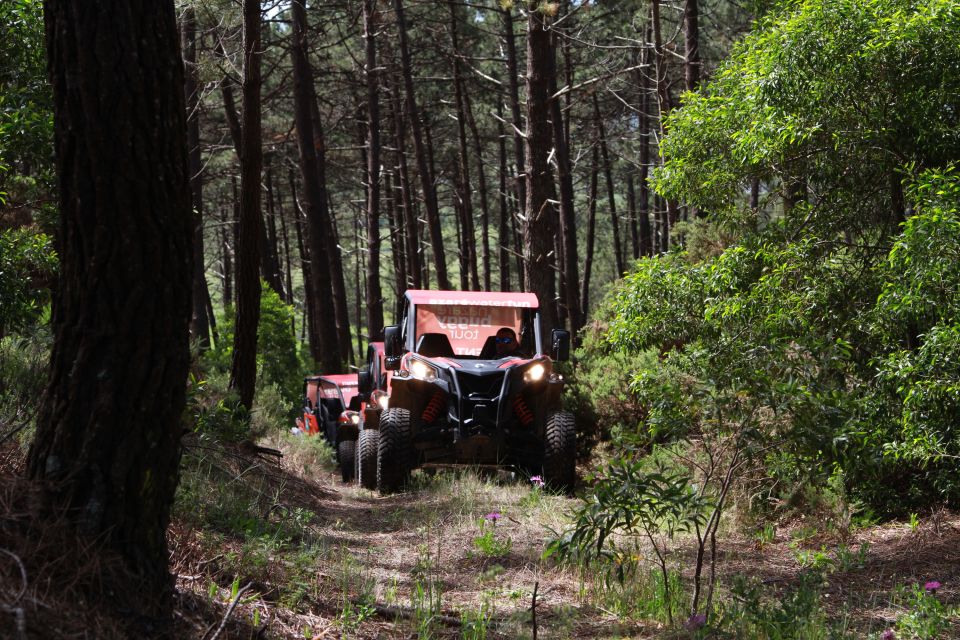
(506, 340)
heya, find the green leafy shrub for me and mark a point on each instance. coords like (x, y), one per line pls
(278, 353)
(27, 263)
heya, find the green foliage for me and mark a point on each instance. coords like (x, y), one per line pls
(278, 358)
(23, 376)
(599, 391)
(926, 617)
(488, 544)
(795, 614)
(841, 96)
(26, 104)
(628, 503)
(27, 259)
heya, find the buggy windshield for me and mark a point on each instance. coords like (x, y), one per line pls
(468, 327)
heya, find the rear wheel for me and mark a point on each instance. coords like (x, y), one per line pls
(559, 451)
(367, 458)
(393, 450)
(347, 453)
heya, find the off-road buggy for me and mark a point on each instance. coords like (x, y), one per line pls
(374, 383)
(331, 407)
(473, 385)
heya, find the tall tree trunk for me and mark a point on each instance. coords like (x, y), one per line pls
(328, 227)
(397, 243)
(325, 348)
(643, 136)
(309, 298)
(288, 271)
(482, 189)
(608, 174)
(691, 34)
(632, 208)
(267, 261)
(466, 190)
(591, 229)
(268, 247)
(412, 226)
(272, 260)
(503, 236)
(513, 82)
(374, 301)
(540, 226)
(106, 453)
(200, 320)
(226, 249)
(463, 252)
(663, 108)
(413, 117)
(243, 372)
(570, 259)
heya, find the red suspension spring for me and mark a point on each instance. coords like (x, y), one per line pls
(522, 410)
(434, 407)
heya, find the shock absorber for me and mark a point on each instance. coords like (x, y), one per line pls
(434, 407)
(522, 410)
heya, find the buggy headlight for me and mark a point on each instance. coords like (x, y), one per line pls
(535, 372)
(422, 371)
(381, 399)
(349, 417)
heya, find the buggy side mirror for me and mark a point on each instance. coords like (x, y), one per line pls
(560, 345)
(364, 383)
(392, 347)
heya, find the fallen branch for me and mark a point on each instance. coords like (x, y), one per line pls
(406, 613)
(18, 612)
(233, 605)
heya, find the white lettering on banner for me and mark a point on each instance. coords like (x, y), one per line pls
(480, 303)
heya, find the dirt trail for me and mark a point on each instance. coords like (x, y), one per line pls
(458, 555)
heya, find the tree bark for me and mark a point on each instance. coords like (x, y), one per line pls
(328, 224)
(663, 102)
(243, 372)
(267, 263)
(482, 189)
(397, 242)
(466, 190)
(513, 82)
(107, 447)
(273, 244)
(540, 225)
(691, 34)
(271, 259)
(591, 230)
(568, 223)
(413, 116)
(325, 347)
(643, 136)
(200, 320)
(503, 236)
(227, 259)
(374, 301)
(608, 175)
(412, 226)
(632, 209)
(309, 297)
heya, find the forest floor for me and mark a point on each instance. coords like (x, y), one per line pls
(315, 558)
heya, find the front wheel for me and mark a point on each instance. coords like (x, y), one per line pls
(393, 450)
(367, 447)
(559, 451)
(347, 453)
